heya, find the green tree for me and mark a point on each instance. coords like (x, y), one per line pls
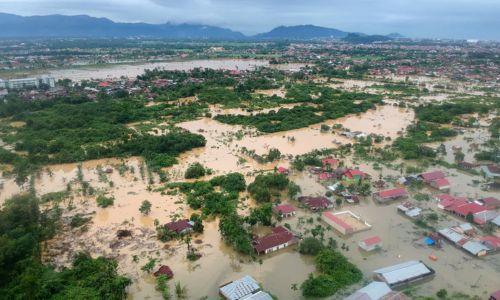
(145, 207)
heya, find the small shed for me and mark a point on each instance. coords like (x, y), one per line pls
(371, 243)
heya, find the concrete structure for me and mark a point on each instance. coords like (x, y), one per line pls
(345, 222)
(404, 273)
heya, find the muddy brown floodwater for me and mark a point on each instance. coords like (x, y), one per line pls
(219, 264)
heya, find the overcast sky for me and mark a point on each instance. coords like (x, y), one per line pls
(415, 18)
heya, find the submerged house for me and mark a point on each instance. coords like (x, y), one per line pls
(436, 179)
(316, 203)
(402, 274)
(371, 243)
(180, 227)
(279, 238)
(284, 210)
(390, 195)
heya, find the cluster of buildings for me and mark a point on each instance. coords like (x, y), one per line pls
(464, 237)
(480, 211)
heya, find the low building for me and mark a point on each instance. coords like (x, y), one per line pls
(373, 291)
(409, 210)
(441, 184)
(431, 176)
(355, 174)
(371, 243)
(180, 227)
(330, 163)
(239, 289)
(404, 273)
(457, 236)
(316, 203)
(390, 195)
(489, 202)
(279, 238)
(446, 201)
(491, 242)
(462, 209)
(284, 210)
(491, 171)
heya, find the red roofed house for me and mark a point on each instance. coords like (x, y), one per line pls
(389, 195)
(316, 203)
(337, 223)
(278, 239)
(371, 243)
(180, 227)
(330, 163)
(284, 210)
(441, 184)
(164, 270)
(283, 171)
(104, 84)
(464, 209)
(354, 174)
(492, 242)
(490, 202)
(446, 201)
(431, 176)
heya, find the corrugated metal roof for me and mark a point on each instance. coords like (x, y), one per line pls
(374, 291)
(404, 271)
(258, 296)
(474, 247)
(452, 235)
(240, 288)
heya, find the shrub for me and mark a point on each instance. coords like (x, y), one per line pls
(310, 246)
(103, 201)
(195, 170)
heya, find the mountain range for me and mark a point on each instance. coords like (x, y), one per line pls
(15, 26)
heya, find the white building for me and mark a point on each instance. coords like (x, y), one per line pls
(21, 83)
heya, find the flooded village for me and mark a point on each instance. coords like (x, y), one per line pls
(323, 174)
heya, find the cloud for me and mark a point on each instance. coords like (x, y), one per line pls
(417, 18)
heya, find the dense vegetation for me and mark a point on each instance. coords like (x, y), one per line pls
(22, 229)
(336, 272)
(331, 104)
(64, 131)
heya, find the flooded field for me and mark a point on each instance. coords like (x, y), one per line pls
(132, 70)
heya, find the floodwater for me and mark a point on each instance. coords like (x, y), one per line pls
(219, 264)
(133, 70)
